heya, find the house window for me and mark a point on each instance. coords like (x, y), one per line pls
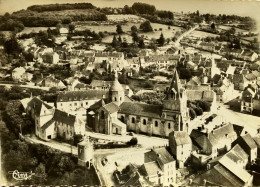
(144, 121)
(86, 103)
(120, 98)
(81, 104)
(181, 126)
(75, 104)
(115, 99)
(133, 120)
(156, 123)
(70, 104)
(169, 125)
(61, 104)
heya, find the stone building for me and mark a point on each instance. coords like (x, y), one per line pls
(149, 119)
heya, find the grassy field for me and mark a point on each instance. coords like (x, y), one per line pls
(201, 34)
(28, 30)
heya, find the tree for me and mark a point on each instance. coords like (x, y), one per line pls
(119, 29)
(119, 39)
(141, 43)
(146, 26)
(114, 41)
(12, 47)
(40, 176)
(71, 28)
(135, 37)
(59, 26)
(192, 113)
(133, 141)
(213, 27)
(161, 40)
(134, 29)
(198, 111)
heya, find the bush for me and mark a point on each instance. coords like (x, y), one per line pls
(192, 113)
(133, 141)
(198, 111)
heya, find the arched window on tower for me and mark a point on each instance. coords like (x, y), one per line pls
(169, 125)
(144, 121)
(133, 120)
(156, 123)
(114, 98)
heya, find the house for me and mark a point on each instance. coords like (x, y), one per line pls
(159, 167)
(236, 154)
(240, 82)
(202, 95)
(51, 81)
(51, 122)
(181, 146)
(249, 145)
(50, 57)
(108, 56)
(225, 173)
(247, 99)
(249, 55)
(17, 73)
(215, 142)
(79, 100)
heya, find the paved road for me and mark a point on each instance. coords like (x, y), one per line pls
(122, 155)
(177, 42)
(143, 140)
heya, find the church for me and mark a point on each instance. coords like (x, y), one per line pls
(118, 114)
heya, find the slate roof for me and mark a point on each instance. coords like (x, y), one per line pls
(151, 168)
(248, 140)
(47, 125)
(206, 95)
(111, 107)
(82, 95)
(220, 133)
(232, 167)
(180, 138)
(97, 105)
(237, 154)
(160, 155)
(141, 109)
(37, 104)
(257, 140)
(225, 173)
(64, 117)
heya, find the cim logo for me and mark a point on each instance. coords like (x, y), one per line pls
(21, 175)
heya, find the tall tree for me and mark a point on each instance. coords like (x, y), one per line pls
(141, 43)
(71, 28)
(114, 41)
(134, 29)
(119, 29)
(146, 26)
(135, 37)
(161, 40)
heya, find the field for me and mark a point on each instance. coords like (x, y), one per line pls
(160, 28)
(225, 27)
(28, 30)
(201, 34)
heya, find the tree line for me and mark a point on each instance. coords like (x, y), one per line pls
(59, 7)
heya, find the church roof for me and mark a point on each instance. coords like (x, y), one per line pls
(175, 84)
(116, 86)
(111, 107)
(141, 109)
